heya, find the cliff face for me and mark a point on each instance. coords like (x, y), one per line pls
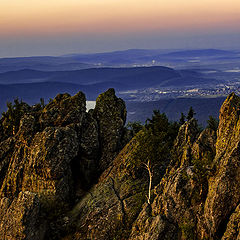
(62, 176)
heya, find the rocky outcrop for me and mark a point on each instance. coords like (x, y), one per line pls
(21, 218)
(152, 227)
(174, 194)
(224, 185)
(110, 113)
(111, 206)
(233, 226)
(187, 135)
(64, 110)
(199, 195)
(62, 176)
(51, 157)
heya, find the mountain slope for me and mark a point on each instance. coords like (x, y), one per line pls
(93, 75)
(41, 63)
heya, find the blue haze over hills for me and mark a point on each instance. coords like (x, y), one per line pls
(146, 79)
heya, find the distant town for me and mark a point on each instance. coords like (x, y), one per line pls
(154, 94)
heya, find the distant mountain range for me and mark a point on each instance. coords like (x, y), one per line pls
(134, 77)
(117, 58)
(200, 53)
(44, 63)
(31, 85)
(31, 78)
(142, 55)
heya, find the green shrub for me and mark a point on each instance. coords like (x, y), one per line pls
(155, 142)
(135, 127)
(11, 118)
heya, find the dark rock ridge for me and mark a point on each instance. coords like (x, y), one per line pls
(70, 174)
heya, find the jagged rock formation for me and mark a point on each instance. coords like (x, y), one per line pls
(224, 187)
(110, 113)
(199, 195)
(50, 165)
(52, 156)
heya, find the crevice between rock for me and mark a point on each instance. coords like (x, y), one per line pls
(120, 200)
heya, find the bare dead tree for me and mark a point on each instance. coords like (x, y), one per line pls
(148, 167)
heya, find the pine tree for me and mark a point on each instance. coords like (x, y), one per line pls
(42, 103)
(212, 123)
(191, 113)
(182, 119)
(135, 127)
(11, 118)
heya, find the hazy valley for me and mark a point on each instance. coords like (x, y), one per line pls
(152, 78)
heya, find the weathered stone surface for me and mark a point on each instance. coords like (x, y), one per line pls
(177, 207)
(48, 171)
(152, 227)
(205, 144)
(233, 226)
(188, 133)
(64, 110)
(6, 148)
(228, 130)
(111, 206)
(110, 113)
(224, 186)
(54, 154)
(4, 204)
(22, 218)
(43, 166)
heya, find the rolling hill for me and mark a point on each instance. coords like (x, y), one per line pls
(125, 78)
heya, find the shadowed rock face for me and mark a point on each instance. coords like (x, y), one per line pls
(113, 203)
(49, 169)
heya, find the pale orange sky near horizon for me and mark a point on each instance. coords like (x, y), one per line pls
(92, 16)
(21, 20)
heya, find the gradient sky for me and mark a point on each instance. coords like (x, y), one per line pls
(55, 27)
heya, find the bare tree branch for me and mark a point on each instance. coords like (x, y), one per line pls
(148, 167)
